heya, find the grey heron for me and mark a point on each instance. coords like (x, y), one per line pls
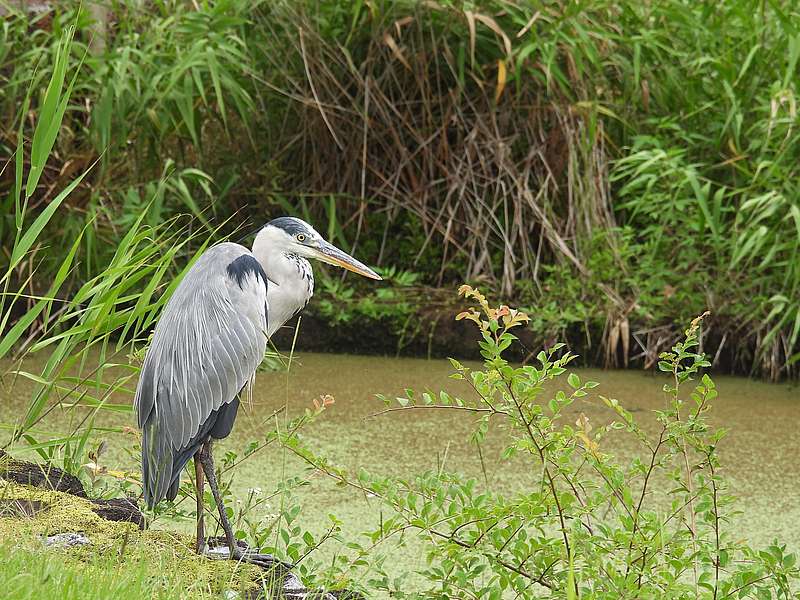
(207, 345)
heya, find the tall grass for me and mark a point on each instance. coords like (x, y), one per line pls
(589, 155)
(29, 575)
(517, 140)
(417, 110)
(88, 330)
(166, 101)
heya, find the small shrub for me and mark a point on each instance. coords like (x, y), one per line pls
(593, 525)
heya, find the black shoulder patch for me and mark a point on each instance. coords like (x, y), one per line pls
(244, 265)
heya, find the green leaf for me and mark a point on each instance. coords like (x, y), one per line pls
(32, 233)
(572, 594)
(574, 381)
(51, 112)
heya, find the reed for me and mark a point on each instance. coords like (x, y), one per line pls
(595, 155)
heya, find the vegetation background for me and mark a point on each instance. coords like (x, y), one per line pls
(619, 167)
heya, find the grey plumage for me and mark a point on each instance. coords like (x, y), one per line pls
(208, 344)
(206, 348)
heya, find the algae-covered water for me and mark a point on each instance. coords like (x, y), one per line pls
(759, 455)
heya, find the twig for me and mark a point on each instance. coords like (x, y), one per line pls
(314, 91)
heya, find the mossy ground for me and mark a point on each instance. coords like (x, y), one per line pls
(147, 564)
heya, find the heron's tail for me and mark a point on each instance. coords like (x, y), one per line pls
(162, 464)
(157, 465)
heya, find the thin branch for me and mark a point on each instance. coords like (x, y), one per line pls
(435, 406)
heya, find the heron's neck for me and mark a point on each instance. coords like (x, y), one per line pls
(290, 286)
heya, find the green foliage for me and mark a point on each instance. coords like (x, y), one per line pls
(86, 333)
(176, 80)
(714, 236)
(171, 88)
(339, 301)
(591, 525)
(600, 151)
(33, 575)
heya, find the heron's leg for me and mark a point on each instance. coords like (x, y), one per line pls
(264, 561)
(200, 486)
(207, 460)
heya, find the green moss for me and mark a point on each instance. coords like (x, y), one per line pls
(166, 557)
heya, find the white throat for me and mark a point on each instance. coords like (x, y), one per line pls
(291, 280)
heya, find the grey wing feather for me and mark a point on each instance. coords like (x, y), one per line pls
(206, 347)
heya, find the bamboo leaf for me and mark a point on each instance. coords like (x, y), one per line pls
(32, 233)
(501, 80)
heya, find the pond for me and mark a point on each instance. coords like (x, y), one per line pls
(759, 455)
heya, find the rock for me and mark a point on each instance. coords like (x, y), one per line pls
(276, 579)
(291, 588)
(67, 540)
(119, 509)
(293, 585)
(38, 475)
(47, 477)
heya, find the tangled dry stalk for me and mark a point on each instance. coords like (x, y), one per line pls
(489, 174)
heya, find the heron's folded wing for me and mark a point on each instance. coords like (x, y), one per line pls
(206, 347)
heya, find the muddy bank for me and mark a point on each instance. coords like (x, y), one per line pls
(436, 335)
(44, 510)
(433, 332)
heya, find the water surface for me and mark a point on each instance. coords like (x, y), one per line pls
(759, 455)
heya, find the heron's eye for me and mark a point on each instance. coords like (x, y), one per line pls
(301, 237)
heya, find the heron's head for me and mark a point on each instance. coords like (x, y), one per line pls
(294, 235)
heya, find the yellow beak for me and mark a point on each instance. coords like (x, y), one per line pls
(330, 254)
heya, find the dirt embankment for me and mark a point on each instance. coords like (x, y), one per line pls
(45, 510)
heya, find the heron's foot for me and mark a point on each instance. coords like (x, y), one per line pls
(265, 561)
(220, 549)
